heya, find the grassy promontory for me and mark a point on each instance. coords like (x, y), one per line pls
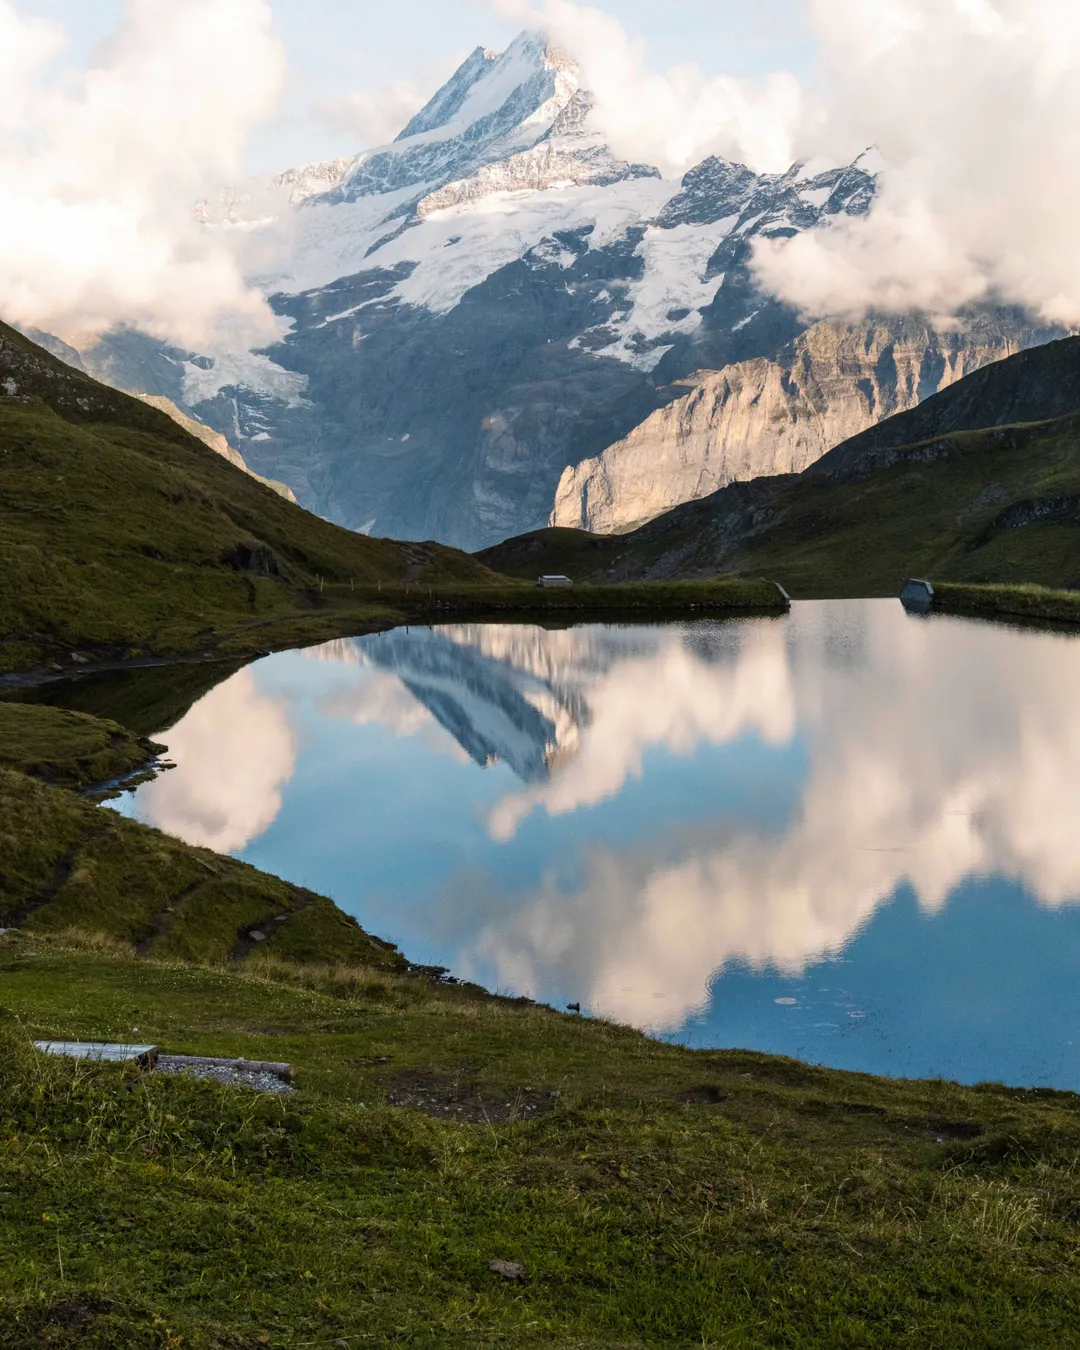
(1012, 601)
(68, 748)
(651, 1195)
(66, 863)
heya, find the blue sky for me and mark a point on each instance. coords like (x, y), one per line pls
(338, 47)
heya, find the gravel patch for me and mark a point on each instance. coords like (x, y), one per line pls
(232, 1074)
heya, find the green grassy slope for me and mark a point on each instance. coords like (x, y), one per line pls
(1038, 604)
(121, 534)
(654, 1196)
(67, 748)
(994, 505)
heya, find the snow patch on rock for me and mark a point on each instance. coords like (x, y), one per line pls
(669, 298)
(251, 371)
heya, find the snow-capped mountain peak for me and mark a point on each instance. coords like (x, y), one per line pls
(478, 309)
(446, 102)
(493, 106)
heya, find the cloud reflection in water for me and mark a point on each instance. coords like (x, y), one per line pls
(235, 751)
(931, 751)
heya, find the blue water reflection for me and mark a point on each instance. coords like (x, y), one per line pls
(848, 835)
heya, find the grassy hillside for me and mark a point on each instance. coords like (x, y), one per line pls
(121, 534)
(67, 748)
(66, 863)
(1001, 505)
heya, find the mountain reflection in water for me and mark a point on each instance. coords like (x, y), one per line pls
(652, 819)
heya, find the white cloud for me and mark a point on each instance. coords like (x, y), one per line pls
(975, 107)
(973, 104)
(671, 120)
(98, 170)
(235, 750)
(373, 119)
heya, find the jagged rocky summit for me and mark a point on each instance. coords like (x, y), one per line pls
(495, 321)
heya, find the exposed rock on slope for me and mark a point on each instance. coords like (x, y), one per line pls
(1033, 386)
(766, 417)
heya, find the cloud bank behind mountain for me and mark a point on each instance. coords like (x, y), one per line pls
(974, 106)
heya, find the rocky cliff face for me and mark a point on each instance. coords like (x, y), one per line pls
(778, 416)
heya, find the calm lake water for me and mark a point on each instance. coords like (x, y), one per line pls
(851, 835)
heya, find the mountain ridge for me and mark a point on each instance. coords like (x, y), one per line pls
(766, 416)
(975, 501)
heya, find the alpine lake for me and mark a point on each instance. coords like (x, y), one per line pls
(850, 834)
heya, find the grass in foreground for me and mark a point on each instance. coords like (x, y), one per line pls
(654, 1195)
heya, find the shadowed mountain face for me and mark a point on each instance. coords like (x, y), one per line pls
(495, 299)
(975, 499)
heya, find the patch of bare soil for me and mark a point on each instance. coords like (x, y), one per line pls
(67, 1322)
(456, 1096)
(948, 1131)
(705, 1095)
